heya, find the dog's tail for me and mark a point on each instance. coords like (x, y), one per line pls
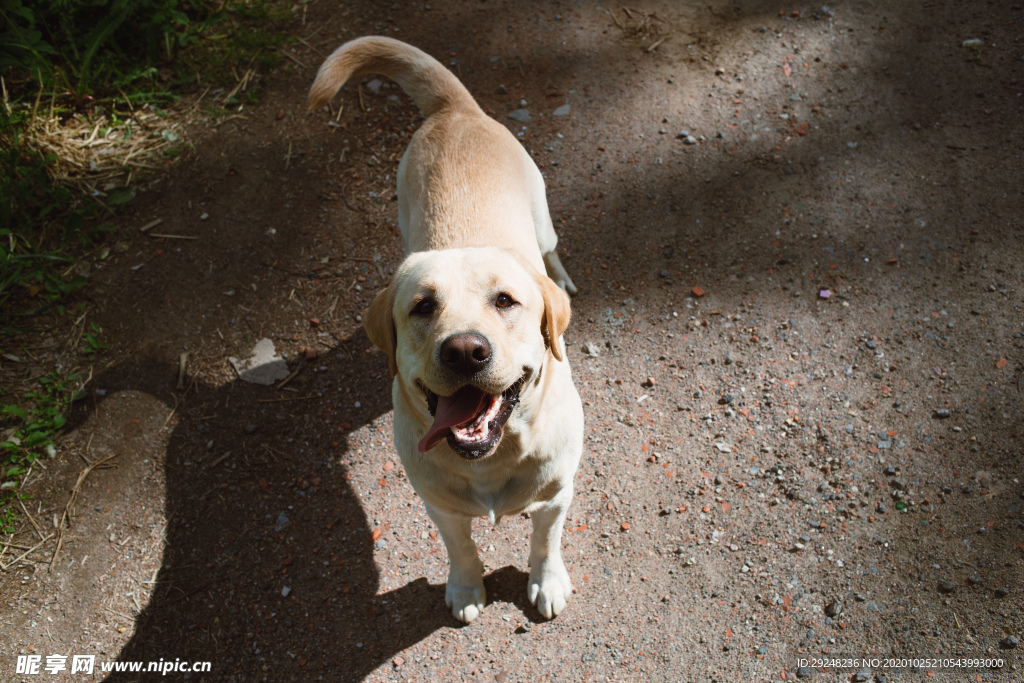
(430, 85)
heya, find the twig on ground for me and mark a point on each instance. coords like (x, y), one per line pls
(227, 454)
(182, 361)
(178, 404)
(285, 53)
(20, 558)
(303, 41)
(173, 237)
(345, 200)
(282, 400)
(290, 377)
(30, 518)
(69, 507)
(650, 49)
(274, 451)
(16, 546)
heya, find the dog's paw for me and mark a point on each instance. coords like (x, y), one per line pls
(550, 587)
(567, 285)
(466, 601)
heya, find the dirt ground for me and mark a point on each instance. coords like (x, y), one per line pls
(798, 340)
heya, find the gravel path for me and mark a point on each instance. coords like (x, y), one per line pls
(796, 234)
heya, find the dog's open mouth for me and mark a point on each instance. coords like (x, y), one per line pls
(471, 419)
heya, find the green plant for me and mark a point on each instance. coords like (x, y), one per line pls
(33, 435)
(8, 519)
(86, 45)
(35, 429)
(91, 344)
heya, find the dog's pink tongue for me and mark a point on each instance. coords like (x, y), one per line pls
(456, 409)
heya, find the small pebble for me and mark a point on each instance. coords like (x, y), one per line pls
(519, 115)
(946, 587)
(943, 413)
(834, 608)
(1009, 643)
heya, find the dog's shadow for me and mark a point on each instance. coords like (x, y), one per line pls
(268, 570)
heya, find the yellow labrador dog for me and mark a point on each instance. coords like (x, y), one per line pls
(488, 422)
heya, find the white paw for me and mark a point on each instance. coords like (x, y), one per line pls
(550, 587)
(466, 601)
(568, 286)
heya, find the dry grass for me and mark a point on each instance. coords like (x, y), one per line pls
(98, 152)
(647, 29)
(96, 155)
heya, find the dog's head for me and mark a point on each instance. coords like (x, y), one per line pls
(465, 331)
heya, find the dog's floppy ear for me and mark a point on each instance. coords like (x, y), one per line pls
(379, 323)
(556, 314)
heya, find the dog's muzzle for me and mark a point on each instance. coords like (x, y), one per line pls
(471, 420)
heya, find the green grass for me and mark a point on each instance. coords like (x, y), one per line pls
(36, 425)
(91, 344)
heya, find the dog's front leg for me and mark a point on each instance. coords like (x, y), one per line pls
(550, 585)
(465, 593)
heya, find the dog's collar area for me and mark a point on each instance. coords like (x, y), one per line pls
(485, 416)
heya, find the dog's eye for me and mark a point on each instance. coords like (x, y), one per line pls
(504, 301)
(424, 307)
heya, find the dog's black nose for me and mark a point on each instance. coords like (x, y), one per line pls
(466, 354)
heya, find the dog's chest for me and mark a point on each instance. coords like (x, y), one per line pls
(481, 491)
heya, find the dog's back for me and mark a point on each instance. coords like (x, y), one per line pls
(464, 181)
